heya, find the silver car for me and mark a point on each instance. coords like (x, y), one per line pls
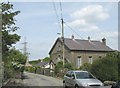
(80, 79)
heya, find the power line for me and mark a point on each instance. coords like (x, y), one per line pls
(66, 23)
(62, 19)
(56, 14)
(72, 30)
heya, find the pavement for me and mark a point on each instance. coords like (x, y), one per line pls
(37, 80)
(40, 80)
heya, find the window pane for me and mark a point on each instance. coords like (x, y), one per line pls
(83, 75)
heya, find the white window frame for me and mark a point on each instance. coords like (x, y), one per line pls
(90, 60)
(79, 61)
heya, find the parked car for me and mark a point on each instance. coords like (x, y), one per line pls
(117, 85)
(80, 79)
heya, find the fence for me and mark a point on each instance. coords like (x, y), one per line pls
(45, 71)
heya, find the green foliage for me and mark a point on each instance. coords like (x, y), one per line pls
(59, 67)
(18, 60)
(8, 72)
(30, 69)
(8, 27)
(106, 68)
(8, 21)
(119, 66)
(15, 64)
(86, 67)
(34, 62)
(17, 56)
(9, 37)
(69, 66)
(46, 59)
(114, 54)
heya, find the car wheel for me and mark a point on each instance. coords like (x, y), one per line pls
(64, 85)
(76, 86)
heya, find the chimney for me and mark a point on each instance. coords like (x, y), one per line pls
(104, 41)
(89, 38)
(72, 36)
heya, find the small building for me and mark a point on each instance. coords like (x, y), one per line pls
(79, 51)
(48, 65)
(28, 64)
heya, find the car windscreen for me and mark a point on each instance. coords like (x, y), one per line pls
(83, 75)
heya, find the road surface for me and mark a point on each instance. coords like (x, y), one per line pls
(40, 80)
(32, 79)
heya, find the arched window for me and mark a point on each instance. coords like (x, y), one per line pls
(79, 61)
(90, 59)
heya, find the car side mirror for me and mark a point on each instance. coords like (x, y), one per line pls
(73, 77)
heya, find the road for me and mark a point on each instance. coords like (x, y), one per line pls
(40, 80)
(32, 79)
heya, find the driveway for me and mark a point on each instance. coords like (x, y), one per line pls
(32, 79)
(38, 80)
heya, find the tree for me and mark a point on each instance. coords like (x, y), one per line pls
(86, 67)
(8, 27)
(9, 37)
(106, 68)
(60, 71)
(17, 60)
(68, 66)
(34, 62)
(58, 67)
(15, 64)
(119, 66)
(46, 59)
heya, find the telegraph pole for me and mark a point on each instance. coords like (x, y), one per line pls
(63, 45)
(63, 51)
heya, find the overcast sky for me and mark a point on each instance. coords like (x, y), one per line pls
(39, 24)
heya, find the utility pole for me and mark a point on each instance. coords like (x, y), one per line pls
(63, 51)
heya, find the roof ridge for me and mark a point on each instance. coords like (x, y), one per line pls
(82, 39)
(81, 44)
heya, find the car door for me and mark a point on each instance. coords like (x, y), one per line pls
(67, 78)
(72, 79)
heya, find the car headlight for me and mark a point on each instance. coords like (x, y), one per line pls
(85, 84)
(102, 84)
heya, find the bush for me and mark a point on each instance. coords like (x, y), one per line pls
(60, 71)
(119, 66)
(68, 66)
(58, 67)
(86, 67)
(30, 69)
(105, 69)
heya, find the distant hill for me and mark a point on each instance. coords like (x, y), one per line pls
(34, 62)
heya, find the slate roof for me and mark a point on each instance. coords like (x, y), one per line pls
(42, 64)
(83, 45)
